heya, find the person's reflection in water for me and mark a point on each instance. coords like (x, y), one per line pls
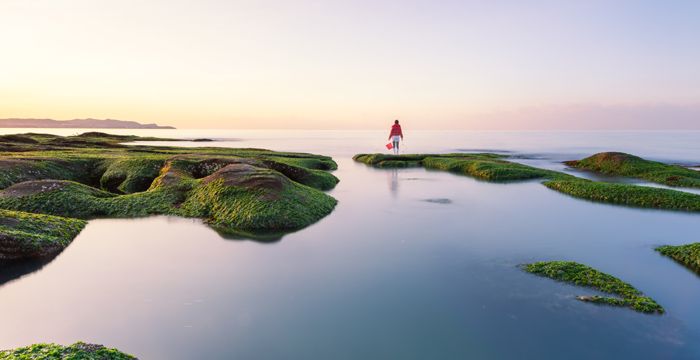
(394, 182)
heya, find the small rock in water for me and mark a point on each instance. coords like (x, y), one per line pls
(439, 201)
(587, 297)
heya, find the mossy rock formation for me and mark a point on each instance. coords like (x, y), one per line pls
(490, 167)
(27, 235)
(687, 255)
(57, 181)
(621, 164)
(581, 275)
(77, 351)
(628, 195)
(496, 168)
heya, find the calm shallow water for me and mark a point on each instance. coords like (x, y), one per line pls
(387, 275)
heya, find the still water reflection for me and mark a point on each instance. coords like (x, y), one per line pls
(387, 275)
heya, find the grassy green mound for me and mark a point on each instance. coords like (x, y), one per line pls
(688, 255)
(18, 138)
(94, 175)
(197, 167)
(391, 161)
(621, 164)
(94, 139)
(315, 178)
(18, 169)
(582, 275)
(259, 200)
(71, 199)
(315, 163)
(627, 194)
(27, 235)
(77, 351)
(490, 167)
(129, 175)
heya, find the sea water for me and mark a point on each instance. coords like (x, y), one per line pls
(412, 264)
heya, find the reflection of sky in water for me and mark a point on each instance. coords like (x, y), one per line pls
(387, 275)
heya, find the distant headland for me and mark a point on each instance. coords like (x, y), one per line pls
(77, 123)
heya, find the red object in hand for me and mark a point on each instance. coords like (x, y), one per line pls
(389, 146)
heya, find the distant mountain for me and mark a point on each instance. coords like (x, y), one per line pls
(78, 123)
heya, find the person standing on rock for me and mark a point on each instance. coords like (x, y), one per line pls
(396, 136)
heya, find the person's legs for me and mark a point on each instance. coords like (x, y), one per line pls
(396, 147)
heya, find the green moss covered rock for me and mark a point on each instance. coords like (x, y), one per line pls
(77, 351)
(627, 194)
(72, 199)
(621, 164)
(490, 167)
(26, 235)
(15, 169)
(130, 174)
(238, 191)
(249, 198)
(581, 275)
(687, 255)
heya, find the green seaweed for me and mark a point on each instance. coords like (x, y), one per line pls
(131, 174)
(316, 163)
(582, 275)
(25, 234)
(391, 161)
(687, 255)
(627, 194)
(71, 199)
(315, 178)
(490, 167)
(257, 210)
(621, 164)
(77, 351)
(18, 169)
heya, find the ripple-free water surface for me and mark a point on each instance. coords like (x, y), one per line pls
(386, 275)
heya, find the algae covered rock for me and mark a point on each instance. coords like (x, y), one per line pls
(687, 255)
(131, 174)
(315, 178)
(77, 351)
(391, 161)
(621, 164)
(628, 195)
(25, 235)
(18, 169)
(625, 295)
(94, 175)
(72, 199)
(243, 197)
(490, 167)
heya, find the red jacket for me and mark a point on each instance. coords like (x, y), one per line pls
(395, 130)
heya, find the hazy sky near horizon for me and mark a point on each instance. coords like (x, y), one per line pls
(598, 64)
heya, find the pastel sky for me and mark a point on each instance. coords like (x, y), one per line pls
(609, 64)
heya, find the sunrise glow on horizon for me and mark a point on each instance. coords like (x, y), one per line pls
(505, 65)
